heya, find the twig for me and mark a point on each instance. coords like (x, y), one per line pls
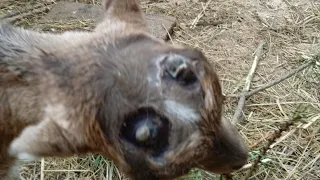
(269, 134)
(168, 34)
(238, 113)
(277, 81)
(284, 137)
(276, 135)
(257, 143)
(300, 125)
(196, 20)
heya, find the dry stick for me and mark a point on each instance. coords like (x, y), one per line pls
(238, 113)
(276, 135)
(257, 143)
(271, 141)
(196, 20)
(168, 33)
(300, 125)
(277, 81)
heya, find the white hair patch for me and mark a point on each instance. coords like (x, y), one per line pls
(181, 111)
(26, 157)
(57, 112)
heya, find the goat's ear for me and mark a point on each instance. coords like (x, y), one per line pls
(124, 10)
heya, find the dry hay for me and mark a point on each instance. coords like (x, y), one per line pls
(229, 33)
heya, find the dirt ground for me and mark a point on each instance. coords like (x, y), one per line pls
(229, 32)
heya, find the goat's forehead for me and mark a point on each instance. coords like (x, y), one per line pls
(143, 40)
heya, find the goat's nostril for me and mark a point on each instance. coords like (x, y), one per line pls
(175, 65)
(178, 69)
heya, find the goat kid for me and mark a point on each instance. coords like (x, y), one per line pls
(155, 109)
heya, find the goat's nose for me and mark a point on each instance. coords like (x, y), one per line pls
(180, 69)
(230, 150)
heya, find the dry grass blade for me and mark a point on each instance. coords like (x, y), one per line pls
(42, 169)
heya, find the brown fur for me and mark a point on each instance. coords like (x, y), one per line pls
(73, 93)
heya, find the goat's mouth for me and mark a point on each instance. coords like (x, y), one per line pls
(147, 131)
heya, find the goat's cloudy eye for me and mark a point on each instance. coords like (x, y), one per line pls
(146, 129)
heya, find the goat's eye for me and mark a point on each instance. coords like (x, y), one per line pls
(177, 68)
(146, 129)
